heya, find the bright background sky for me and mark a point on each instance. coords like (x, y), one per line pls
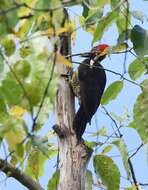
(126, 98)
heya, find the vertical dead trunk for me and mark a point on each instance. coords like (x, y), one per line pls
(73, 157)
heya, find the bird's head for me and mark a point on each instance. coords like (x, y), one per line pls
(99, 51)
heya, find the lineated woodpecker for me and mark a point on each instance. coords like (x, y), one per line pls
(88, 83)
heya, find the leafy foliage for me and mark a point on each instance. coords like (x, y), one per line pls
(111, 92)
(137, 68)
(89, 180)
(108, 171)
(139, 37)
(103, 24)
(52, 183)
(29, 35)
(140, 121)
(120, 144)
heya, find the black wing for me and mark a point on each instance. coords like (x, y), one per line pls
(92, 84)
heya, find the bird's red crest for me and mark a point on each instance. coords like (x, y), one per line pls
(101, 47)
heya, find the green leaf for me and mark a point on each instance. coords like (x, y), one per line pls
(107, 149)
(25, 51)
(95, 4)
(9, 46)
(139, 38)
(22, 68)
(108, 171)
(100, 132)
(11, 91)
(39, 79)
(120, 47)
(57, 14)
(36, 163)
(85, 10)
(112, 92)
(25, 27)
(137, 68)
(8, 20)
(133, 187)
(140, 120)
(53, 182)
(2, 105)
(1, 139)
(14, 159)
(20, 150)
(121, 22)
(90, 144)
(103, 24)
(1, 64)
(123, 36)
(120, 144)
(122, 11)
(12, 139)
(89, 180)
(44, 4)
(93, 17)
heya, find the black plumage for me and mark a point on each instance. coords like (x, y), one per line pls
(92, 81)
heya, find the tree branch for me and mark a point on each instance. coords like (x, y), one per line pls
(25, 180)
(136, 151)
(114, 121)
(111, 71)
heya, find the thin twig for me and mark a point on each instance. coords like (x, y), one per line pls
(108, 138)
(19, 81)
(113, 120)
(111, 71)
(129, 158)
(143, 184)
(133, 174)
(49, 81)
(136, 151)
(17, 6)
(88, 53)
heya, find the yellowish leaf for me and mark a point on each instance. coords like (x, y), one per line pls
(120, 47)
(50, 134)
(81, 20)
(62, 60)
(91, 29)
(17, 111)
(14, 137)
(67, 28)
(23, 11)
(73, 32)
(33, 161)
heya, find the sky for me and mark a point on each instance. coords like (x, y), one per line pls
(126, 98)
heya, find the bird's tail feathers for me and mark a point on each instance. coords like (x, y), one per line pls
(80, 122)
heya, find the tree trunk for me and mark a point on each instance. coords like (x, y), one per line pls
(73, 156)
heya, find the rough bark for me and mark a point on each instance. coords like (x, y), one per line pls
(73, 156)
(25, 180)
